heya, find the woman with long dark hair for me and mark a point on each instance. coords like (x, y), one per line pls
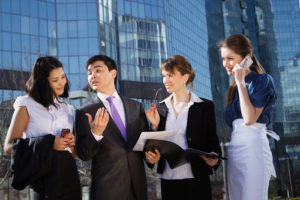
(42, 117)
(251, 99)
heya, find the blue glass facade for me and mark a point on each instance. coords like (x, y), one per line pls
(186, 28)
(287, 32)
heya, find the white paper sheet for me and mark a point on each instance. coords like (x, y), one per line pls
(158, 135)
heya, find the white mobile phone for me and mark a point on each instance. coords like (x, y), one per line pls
(246, 62)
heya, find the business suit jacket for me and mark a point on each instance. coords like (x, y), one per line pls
(200, 134)
(115, 167)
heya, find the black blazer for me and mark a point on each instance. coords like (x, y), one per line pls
(114, 165)
(200, 134)
(52, 174)
(31, 160)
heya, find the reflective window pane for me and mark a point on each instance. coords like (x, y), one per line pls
(83, 46)
(5, 5)
(61, 11)
(63, 47)
(16, 25)
(17, 61)
(6, 41)
(71, 14)
(42, 9)
(15, 6)
(43, 27)
(93, 46)
(25, 25)
(92, 11)
(72, 29)
(16, 42)
(73, 46)
(93, 29)
(51, 11)
(25, 7)
(34, 26)
(6, 22)
(43, 46)
(82, 11)
(33, 8)
(51, 29)
(62, 29)
(73, 61)
(82, 29)
(6, 60)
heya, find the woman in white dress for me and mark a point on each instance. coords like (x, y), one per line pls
(250, 101)
(43, 112)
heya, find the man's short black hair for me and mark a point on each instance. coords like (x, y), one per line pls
(109, 62)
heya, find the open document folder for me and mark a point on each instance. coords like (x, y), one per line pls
(173, 153)
(158, 135)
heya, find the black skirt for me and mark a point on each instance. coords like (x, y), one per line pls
(61, 183)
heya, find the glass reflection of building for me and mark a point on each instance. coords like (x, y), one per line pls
(287, 31)
(142, 47)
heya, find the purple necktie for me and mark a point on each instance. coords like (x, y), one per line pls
(116, 117)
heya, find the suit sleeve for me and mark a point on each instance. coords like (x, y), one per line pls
(213, 139)
(86, 145)
(143, 120)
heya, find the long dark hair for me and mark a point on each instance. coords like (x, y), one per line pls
(182, 65)
(241, 45)
(38, 86)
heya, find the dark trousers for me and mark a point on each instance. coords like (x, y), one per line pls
(131, 195)
(188, 189)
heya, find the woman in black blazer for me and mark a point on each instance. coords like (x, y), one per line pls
(193, 121)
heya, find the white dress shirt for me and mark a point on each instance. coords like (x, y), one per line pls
(118, 104)
(42, 120)
(179, 127)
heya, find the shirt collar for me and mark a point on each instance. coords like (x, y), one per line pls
(194, 99)
(103, 97)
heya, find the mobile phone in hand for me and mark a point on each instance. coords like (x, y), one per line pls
(65, 131)
(246, 62)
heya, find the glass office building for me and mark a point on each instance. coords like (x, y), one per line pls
(138, 34)
(287, 32)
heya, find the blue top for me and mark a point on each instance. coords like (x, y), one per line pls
(262, 93)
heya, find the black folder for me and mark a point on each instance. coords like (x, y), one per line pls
(173, 153)
(209, 155)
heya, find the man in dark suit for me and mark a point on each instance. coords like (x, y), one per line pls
(107, 129)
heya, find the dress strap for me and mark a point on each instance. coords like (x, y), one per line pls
(273, 135)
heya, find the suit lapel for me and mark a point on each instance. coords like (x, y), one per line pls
(127, 116)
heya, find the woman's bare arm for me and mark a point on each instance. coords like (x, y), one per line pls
(17, 126)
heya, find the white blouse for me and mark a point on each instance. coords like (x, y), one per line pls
(179, 127)
(43, 121)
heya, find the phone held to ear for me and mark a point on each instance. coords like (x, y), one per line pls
(64, 132)
(246, 62)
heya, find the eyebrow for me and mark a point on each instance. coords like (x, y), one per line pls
(93, 67)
